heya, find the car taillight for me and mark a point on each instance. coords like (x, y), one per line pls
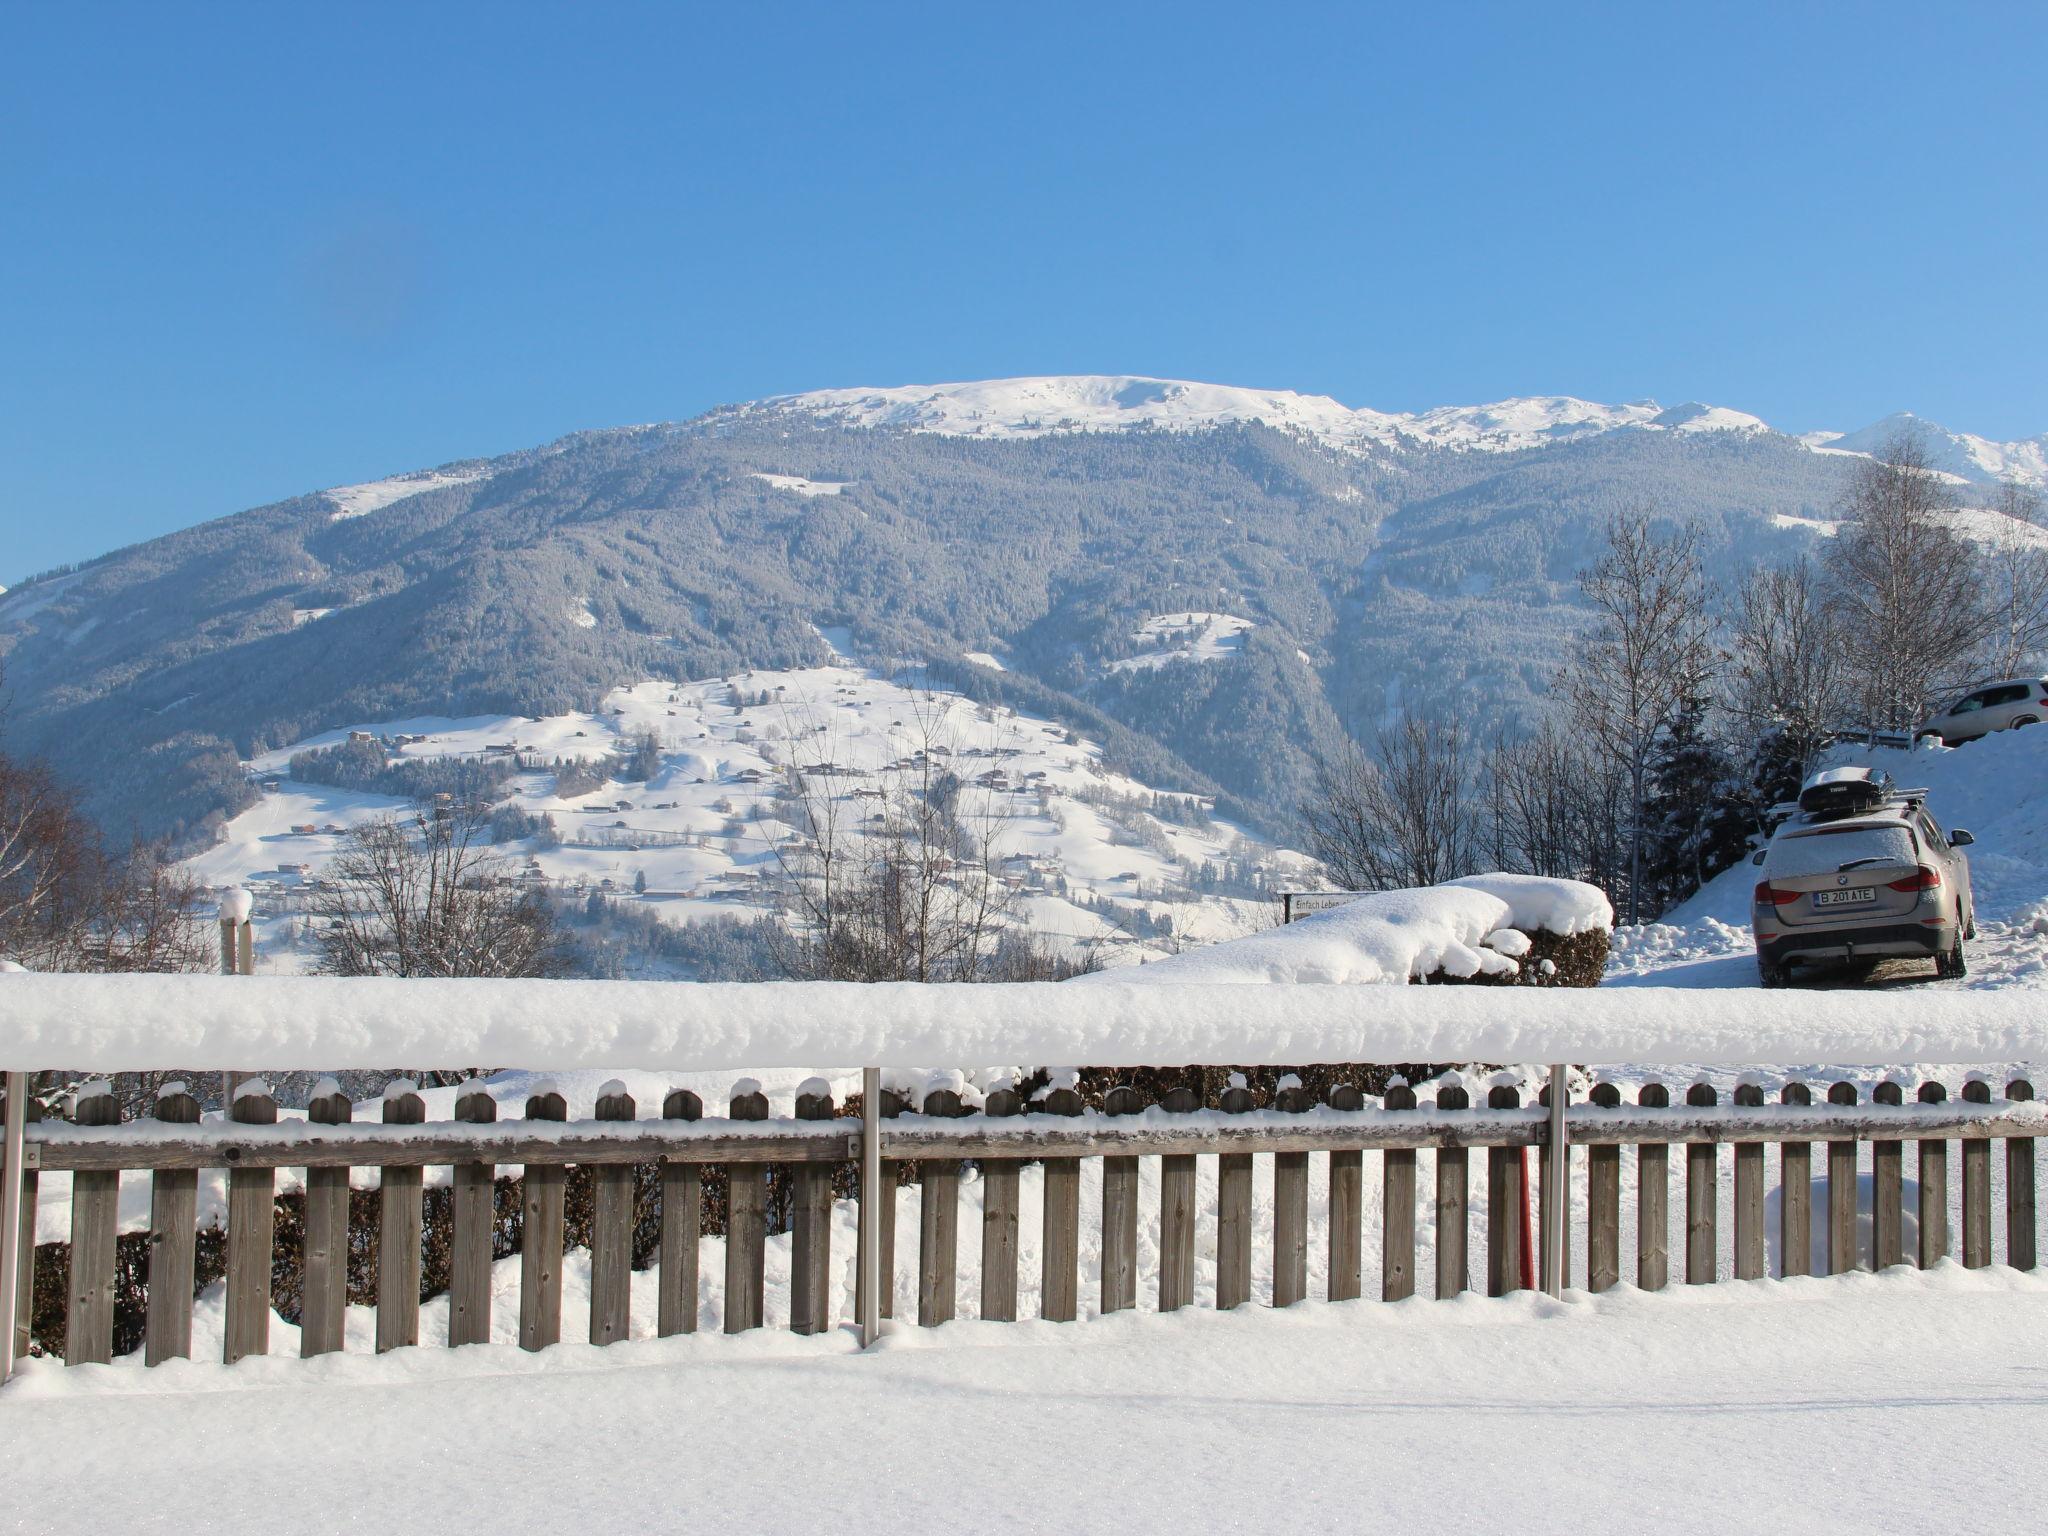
(1922, 879)
(1768, 895)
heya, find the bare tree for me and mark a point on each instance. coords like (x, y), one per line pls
(1649, 649)
(1404, 816)
(427, 896)
(2017, 580)
(1906, 591)
(1553, 807)
(1789, 674)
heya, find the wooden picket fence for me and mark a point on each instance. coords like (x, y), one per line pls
(1005, 1134)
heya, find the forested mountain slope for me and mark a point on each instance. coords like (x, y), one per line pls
(1362, 572)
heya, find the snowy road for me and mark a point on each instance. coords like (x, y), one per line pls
(1869, 1403)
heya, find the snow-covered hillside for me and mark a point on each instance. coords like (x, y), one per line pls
(1185, 637)
(1997, 788)
(1036, 407)
(1079, 844)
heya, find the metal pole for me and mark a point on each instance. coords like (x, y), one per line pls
(1556, 1179)
(871, 1198)
(10, 1215)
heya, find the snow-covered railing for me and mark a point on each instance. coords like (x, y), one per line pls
(690, 1170)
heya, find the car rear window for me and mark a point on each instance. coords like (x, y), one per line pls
(1823, 850)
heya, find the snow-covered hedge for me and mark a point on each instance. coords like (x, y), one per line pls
(137, 1023)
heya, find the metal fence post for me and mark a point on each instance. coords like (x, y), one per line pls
(10, 1215)
(871, 1197)
(1557, 1171)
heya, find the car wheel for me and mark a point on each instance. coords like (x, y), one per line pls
(2025, 720)
(1926, 736)
(1771, 976)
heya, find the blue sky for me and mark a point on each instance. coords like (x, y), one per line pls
(253, 252)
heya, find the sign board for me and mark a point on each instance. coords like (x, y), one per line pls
(1299, 904)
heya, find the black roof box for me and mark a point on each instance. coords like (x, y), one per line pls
(1842, 792)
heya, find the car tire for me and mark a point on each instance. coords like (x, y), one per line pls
(2024, 720)
(1771, 977)
(1927, 736)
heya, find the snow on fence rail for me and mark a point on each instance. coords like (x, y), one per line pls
(1001, 1138)
(138, 1023)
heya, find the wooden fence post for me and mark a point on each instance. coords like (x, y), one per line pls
(540, 1241)
(252, 1221)
(474, 1191)
(1887, 1187)
(611, 1230)
(1347, 1206)
(1795, 1193)
(1119, 1214)
(399, 1209)
(1653, 1200)
(999, 1203)
(810, 1245)
(173, 1235)
(1290, 1208)
(95, 1212)
(1177, 1213)
(938, 1222)
(1934, 1186)
(2019, 1186)
(746, 1221)
(1059, 1294)
(1976, 1186)
(1603, 1202)
(1504, 1197)
(1702, 1197)
(323, 1303)
(1842, 1256)
(1749, 1192)
(1453, 1184)
(682, 1225)
(1234, 1209)
(889, 1182)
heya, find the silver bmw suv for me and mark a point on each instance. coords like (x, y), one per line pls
(1860, 870)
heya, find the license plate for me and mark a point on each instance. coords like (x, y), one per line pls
(1855, 895)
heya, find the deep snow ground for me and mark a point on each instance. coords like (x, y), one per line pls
(1895, 1402)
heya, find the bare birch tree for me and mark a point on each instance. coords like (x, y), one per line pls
(1905, 589)
(1404, 815)
(1649, 649)
(1789, 673)
(2017, 562)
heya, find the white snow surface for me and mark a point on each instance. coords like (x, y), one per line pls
(801, 486)
(117, 1023)
(1628, 1401)
(1564, 907)
(352, 501)
(1186, 636)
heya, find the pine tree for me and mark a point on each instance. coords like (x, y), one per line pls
(1696, 822)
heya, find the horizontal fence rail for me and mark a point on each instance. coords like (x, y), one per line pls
(785, 1174)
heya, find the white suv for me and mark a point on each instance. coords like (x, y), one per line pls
(1994, 707)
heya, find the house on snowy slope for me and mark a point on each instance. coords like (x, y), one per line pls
(1497, 929)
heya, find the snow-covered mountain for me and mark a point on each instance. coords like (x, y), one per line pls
(1962, 454)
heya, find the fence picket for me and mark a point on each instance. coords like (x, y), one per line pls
(1347, 1213)
(1887, 1181)
(1453, 1184)
(1702, 1198)
(1977, 1186)
(893, 1104)
(611, 1232)
(173, 1237)
(1842, 1256)
(540, 1242)
(746, 1222)
(1749, 1193)
(252, 1221)
(1290, 1209)
(474, 1188)
(1059, 1293)
(1177, 1213)
(1505, 1193)
(938, 1236)
(999, 1202)
(324, 1296)
(1934, 1187)
(810, 1273)
(95, 1213)
(2019, 1187)
(1234, 1211)
(1653, 1200)
(1119, 1214)
(1795, 1193)
(399, 1208)
(682, 1226)
(1603, 1202)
